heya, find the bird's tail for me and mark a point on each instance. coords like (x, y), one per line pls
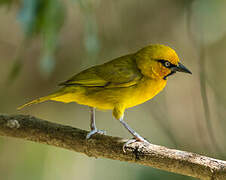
(41, 99)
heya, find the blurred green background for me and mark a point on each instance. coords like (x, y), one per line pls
(44, 42)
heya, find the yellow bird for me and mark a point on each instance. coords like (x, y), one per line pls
(119, 84)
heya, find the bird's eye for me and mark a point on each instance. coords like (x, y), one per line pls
(167, 64)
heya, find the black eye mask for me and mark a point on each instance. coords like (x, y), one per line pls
(168, 65)
(174, 68)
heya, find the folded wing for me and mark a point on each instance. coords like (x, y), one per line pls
(120, 72)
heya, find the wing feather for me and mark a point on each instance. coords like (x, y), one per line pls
(120, 72)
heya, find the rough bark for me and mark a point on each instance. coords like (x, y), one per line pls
(181, 162)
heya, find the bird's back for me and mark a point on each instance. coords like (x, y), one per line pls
(119, 72)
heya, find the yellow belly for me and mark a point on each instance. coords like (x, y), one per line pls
(107, 98)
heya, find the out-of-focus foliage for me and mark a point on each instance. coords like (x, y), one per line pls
(91, 39)
(44, 18)
(208, 20)
(41, 16)
(43, 42)
(14, 71)
(4, 2)
(207, 26)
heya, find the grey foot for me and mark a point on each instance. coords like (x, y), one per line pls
(94, 132)
(133, 141)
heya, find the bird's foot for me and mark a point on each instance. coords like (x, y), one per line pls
(95, 131)
(141, 139)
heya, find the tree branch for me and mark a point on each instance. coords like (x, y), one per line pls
(186, 163)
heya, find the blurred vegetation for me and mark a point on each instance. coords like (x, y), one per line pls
(43, 42)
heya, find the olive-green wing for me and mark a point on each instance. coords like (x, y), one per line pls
(120, 72)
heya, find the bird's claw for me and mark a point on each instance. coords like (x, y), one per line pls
(95, 131)
(133, 141)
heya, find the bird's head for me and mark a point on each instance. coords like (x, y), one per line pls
(159, 62)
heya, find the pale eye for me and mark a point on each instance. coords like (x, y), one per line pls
(167, 64)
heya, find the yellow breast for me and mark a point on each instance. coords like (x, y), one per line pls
(144, 91)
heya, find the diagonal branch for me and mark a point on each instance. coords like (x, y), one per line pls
(186, 163)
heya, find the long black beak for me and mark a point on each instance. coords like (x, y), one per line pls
(182, 68)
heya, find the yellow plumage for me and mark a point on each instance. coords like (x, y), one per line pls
(122, 83)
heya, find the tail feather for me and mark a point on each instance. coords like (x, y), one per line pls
(41, 99)
(36, 101)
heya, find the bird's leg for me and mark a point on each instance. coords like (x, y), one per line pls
(134, 133)
(92, 119)
(93, 127)
(136, 136)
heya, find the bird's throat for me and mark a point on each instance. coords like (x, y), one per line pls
(171, 73)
